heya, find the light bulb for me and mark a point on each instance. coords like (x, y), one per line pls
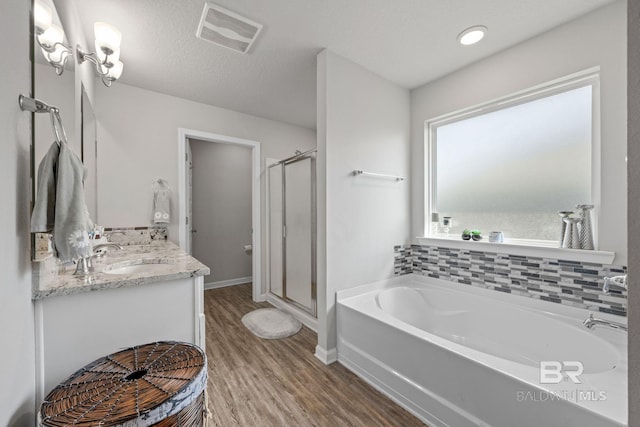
(107, 37)
(42, 17)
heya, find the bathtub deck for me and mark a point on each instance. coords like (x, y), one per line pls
(256, 382)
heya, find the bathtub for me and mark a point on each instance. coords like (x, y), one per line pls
(458, 355)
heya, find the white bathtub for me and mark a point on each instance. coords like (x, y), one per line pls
(457, 355)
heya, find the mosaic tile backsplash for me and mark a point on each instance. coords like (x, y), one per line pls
(565, 282)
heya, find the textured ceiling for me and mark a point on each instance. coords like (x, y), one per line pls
(409, 42)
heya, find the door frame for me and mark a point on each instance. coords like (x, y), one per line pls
(183, 136)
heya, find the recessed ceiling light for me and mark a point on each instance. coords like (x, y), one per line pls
(472, 35)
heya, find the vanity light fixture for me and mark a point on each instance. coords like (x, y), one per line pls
(107, 55)
(50, 37)
(472, 35)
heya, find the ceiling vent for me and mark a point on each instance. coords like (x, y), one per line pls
(227, 29)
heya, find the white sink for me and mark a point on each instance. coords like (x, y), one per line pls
(139, 266)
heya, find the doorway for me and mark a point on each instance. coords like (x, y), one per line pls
(185, 197)
(221, 211)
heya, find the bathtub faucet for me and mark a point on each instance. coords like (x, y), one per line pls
(615, 280)
(591, 321)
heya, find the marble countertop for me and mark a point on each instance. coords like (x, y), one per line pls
(174, 264)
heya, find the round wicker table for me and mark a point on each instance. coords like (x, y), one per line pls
(157, 384)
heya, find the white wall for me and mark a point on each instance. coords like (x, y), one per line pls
(596, 39)
(633, 97)
(138, 141)
(222, 208)
(365, 125)
(17, 367)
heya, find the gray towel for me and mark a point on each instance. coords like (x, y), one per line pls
(72, 223)
(43, 217)
(63, 210)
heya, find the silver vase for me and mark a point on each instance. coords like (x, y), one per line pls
(571, 236)
(586, 230)
(563, 225)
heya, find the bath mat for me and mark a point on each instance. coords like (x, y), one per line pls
(271, 323)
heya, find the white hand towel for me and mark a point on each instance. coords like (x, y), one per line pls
(161, 206)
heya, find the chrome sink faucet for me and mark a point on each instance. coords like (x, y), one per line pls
(591, 321)
(85, 267)
(102, 246)
(615, 280)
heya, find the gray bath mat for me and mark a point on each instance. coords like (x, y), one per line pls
(271, 323)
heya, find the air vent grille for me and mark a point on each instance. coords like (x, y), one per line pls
(227, 29)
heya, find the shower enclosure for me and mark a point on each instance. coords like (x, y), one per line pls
(292, 230)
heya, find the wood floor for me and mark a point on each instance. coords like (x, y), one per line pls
(258, 382)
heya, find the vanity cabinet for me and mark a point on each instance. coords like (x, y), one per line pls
(77, 324)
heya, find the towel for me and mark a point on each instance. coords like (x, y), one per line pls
(64, 210)
(161, 205)
(43, 216)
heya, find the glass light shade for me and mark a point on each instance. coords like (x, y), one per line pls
(472, 35)
(42, 17)
(107, 36)
(116, 71)
(53, 35)
(113, 58)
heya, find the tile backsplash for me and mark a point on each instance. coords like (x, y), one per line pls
(565, 282)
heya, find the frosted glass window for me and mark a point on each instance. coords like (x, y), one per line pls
(512, 169)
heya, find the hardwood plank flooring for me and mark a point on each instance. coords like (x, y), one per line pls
(259, 382)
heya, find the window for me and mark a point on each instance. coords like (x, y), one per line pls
(511, 165)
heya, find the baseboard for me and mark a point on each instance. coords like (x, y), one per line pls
(230, 282)
(326, 356)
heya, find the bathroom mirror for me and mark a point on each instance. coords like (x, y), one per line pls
(60, 91)
(56, 90)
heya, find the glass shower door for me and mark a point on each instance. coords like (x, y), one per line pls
(298, 240)
(292, 269)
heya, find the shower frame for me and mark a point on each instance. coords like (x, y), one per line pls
(310, 154)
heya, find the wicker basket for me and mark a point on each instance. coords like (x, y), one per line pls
(157, 384)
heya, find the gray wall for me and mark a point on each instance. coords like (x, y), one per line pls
(17, 367)
(222, 208)
(633, 97)
(596, 39)
(365, 125)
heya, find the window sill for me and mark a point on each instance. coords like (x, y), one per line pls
(533, 248)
